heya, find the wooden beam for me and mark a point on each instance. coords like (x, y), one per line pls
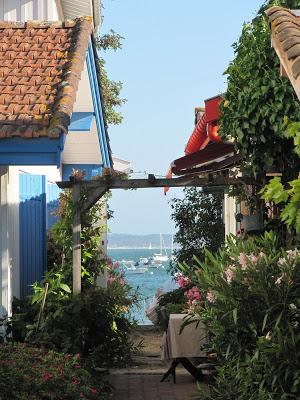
(76, 232)
(93, 197)
(191, 180)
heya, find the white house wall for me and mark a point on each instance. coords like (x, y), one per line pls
(13, 229)
(83, 147)
(84, 100)
(229, 215)
(52, 173)
(25, 10)
(5, 273)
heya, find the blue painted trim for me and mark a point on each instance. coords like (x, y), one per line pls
(90, 60)
(81, 121)
(91, 170)
(36, 151)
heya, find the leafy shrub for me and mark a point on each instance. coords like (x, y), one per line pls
(251, 307)
(30, 373)
(94, 324)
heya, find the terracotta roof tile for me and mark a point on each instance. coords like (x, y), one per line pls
(40, 67)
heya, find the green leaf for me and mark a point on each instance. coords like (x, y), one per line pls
(65, 287)
(234, 315)
(264, 322)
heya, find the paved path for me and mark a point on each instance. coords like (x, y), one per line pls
(149, 387)
(142, 380)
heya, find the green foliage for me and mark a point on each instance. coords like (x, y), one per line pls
(199, 224)
(94, 324)
(288, 199)
(175, 297)
(250, 305)
(258, 100)
(94, 261)
(110, 89)
(30, 373)
(293, 131)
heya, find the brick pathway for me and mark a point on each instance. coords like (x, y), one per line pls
(149, 387)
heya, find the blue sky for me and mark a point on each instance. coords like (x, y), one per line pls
(173, 58)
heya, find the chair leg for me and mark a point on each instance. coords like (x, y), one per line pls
(171, 370)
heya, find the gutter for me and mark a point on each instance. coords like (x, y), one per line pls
(97, 5)
(59, 10)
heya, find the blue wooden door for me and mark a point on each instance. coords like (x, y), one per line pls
(32, 230)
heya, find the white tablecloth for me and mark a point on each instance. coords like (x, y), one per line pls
(188, 343)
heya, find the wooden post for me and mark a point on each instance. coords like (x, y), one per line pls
(76, 241)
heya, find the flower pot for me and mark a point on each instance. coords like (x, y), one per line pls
(253, 223)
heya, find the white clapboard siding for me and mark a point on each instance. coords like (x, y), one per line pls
(5, 286)
(26, 10)
(84, 100)
(82, 147)
(13, 229)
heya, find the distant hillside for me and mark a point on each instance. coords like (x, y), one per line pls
(122, 240)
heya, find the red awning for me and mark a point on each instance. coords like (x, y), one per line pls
(214, 152)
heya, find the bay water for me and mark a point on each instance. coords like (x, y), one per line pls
(146, 283)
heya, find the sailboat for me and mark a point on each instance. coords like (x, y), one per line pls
(160, 257)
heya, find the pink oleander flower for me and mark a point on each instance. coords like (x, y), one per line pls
(243, 260)
(253, 258)
(210, 297)
(193, 294)
(182, 280)
(292, 253)
(47, 377)
(230, 273)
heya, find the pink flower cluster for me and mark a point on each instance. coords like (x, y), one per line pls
(193, 295)
(182, 280)
(210, 297)
(243, 261)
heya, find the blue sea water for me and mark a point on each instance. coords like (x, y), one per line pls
(147, 283)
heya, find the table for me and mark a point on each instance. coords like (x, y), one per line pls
(179, 347)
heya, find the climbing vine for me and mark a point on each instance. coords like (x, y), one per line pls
(258, 100)
(111, 90)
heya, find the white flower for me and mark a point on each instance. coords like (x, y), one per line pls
(268, 336)
(210, 297)
(278, 280)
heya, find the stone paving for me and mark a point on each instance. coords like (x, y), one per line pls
(149, 387)
(142, 380)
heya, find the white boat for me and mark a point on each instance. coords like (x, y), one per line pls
(161, 257)
(136, 270)
(126, 262)
(143, 261)
(152, 263)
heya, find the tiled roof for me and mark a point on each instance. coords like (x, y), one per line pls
(285, 27)
(40, 67)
